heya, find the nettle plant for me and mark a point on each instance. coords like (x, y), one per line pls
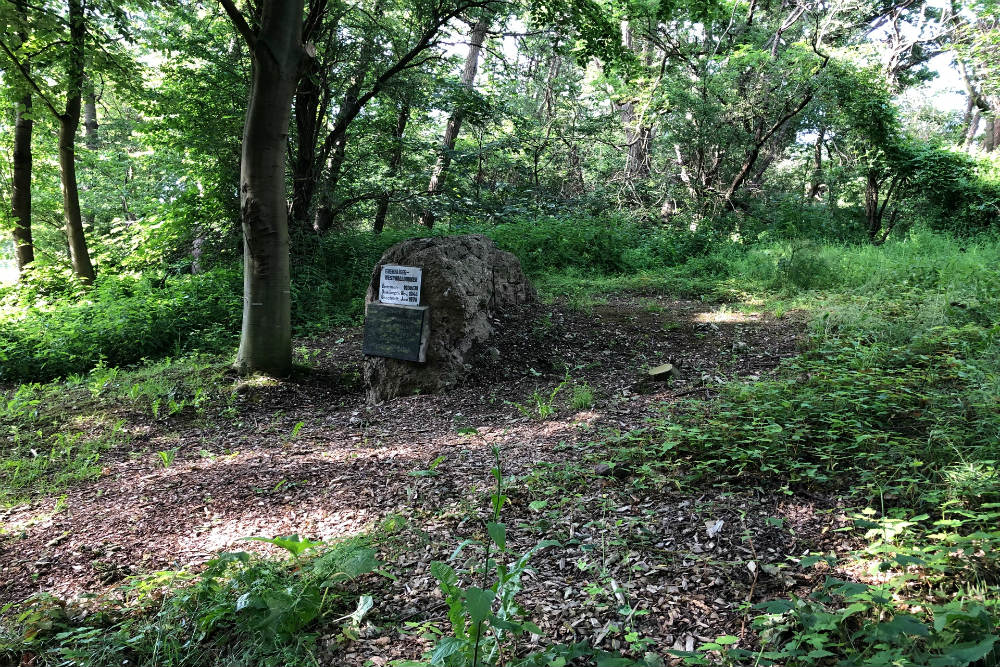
(486, 622)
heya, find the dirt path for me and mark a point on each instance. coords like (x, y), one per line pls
(348, 467)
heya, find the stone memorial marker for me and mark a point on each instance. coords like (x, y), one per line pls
(465, 283)
(396, 326)
(400, 285)
(396, 332)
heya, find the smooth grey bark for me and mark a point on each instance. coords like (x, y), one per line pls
(454, 126)
(69, 122)
(90, 125)
(277, 52)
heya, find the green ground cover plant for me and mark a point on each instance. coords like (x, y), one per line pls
(239, 610)
(892, 404)
(56, 433)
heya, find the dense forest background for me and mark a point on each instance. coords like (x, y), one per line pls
(667, 131)
(765, 199)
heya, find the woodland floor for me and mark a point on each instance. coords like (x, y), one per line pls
(347, 469)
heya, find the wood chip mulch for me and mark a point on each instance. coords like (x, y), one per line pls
(685, 563)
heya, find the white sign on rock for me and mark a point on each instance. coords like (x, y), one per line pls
(400, 285)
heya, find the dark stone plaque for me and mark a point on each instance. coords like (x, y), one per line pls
(397, 332)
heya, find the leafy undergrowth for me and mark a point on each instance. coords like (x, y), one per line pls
(240, 609)
(909, 437)
(54, 434)
(893, 406)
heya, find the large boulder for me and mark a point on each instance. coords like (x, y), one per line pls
(467, 281)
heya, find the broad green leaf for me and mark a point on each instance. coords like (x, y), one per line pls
(447, 646)
(479, 603)
(443, 572)
(293, 544)
(498, 533)
(965, 654)
(902, 624)
(606, 659)
(360, 561)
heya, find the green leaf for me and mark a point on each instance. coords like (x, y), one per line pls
(498, 533)
(902, 624)
(359, 561)
(537, 505)
(502, 624)
(443, 572)
(606, 659)
(293, 544)
(774, 606)
(964, 654)
(532, 628)
(479, 602)
(727, 640)
(448, 646)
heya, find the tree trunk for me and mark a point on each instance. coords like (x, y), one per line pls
(989, 131)
(970, 133)
(307, 102)
(21, 197)
(994, 140)
(336, 147)
(395, 160)
(637, 140)
(817, 172)
(24, 248)
(451, 131)
(637, 135)
(573, 185)
(69, 122)
(92, 140)
(90, 125)
(265, 338)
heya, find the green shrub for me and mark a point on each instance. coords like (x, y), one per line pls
(241, 610)
(121, 321)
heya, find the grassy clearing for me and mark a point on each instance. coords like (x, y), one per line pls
(56, 433)
(893, 405)
(896, 405)
(51, 326)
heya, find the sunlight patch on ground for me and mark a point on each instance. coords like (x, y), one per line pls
(230, 534)
(724, 316)
(22, 521)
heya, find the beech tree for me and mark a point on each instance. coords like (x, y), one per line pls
(477, 36)
(277, 52)
(24, 249)
(68, 118)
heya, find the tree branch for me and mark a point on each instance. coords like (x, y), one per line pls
(23, 69)
(240, 23)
